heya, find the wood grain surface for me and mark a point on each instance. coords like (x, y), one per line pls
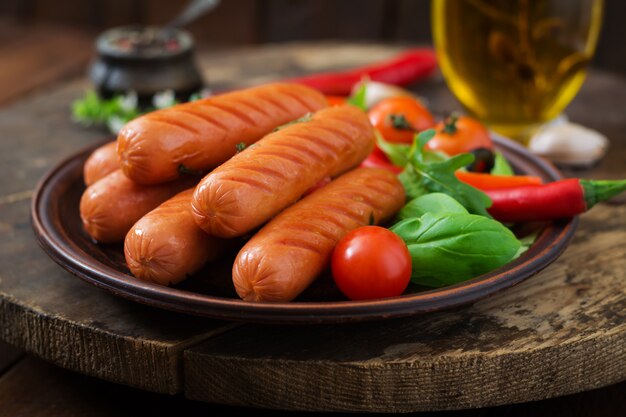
(562, 331)
(48, 311)
(265, 21)
(34, 388)
(46, 53)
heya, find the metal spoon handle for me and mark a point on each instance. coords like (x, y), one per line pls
(194, 10)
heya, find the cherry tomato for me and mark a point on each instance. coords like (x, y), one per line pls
(371, 262)
(336, 100)
(457, 135)
(380, 160)
(399, 118)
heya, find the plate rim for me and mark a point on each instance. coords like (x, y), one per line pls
(551, 242)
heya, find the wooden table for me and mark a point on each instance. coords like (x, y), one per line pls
(34, 56)
(560, 332)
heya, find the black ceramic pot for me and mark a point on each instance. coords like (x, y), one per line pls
(145, 60)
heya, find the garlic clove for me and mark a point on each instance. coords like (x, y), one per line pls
(569, 144)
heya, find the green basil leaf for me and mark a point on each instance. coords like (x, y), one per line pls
(398, 153)
(501, 166)
(431, 203)
(407, 228)
(434, 156)
(439, 177)
(452, 247)
(94, 110)
(412, 182)
(422, 139)
(526, 242)
(434, 172)
(359, 98)
(89, 109)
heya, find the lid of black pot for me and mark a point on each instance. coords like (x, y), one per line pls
(144, 42)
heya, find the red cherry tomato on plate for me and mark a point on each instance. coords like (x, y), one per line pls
(399, 118)
(371, 262)
(456, 135)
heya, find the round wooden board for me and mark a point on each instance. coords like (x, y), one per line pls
(560, 332)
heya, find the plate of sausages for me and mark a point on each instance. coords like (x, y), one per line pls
(213, 208)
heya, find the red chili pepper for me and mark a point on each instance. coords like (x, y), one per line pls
(555, 200)
(484, 181)
(404, 69)
(378, 160)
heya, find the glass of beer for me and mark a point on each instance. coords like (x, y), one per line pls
(515, 64)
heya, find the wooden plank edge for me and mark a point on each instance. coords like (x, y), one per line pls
(144, 364)
(376, 386)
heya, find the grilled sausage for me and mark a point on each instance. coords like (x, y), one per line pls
(200, 135)
(100, 163)
(110, 206)
(166, 244)
(258, 183)
(286, 255)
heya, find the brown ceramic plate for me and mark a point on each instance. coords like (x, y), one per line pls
(210, 292)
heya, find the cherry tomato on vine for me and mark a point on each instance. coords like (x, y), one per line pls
(371, 262)
(459, 134)
(399, 118)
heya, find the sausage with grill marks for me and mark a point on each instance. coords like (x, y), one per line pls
(166, 245)
(110, 206)
(288, 253)
(259, 182)
(201, 135)
(100, 163)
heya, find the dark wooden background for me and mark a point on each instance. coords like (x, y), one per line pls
(237, 22)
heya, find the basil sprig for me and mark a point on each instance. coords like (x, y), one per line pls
(449, 245)
(447, 248)
(427, 172)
